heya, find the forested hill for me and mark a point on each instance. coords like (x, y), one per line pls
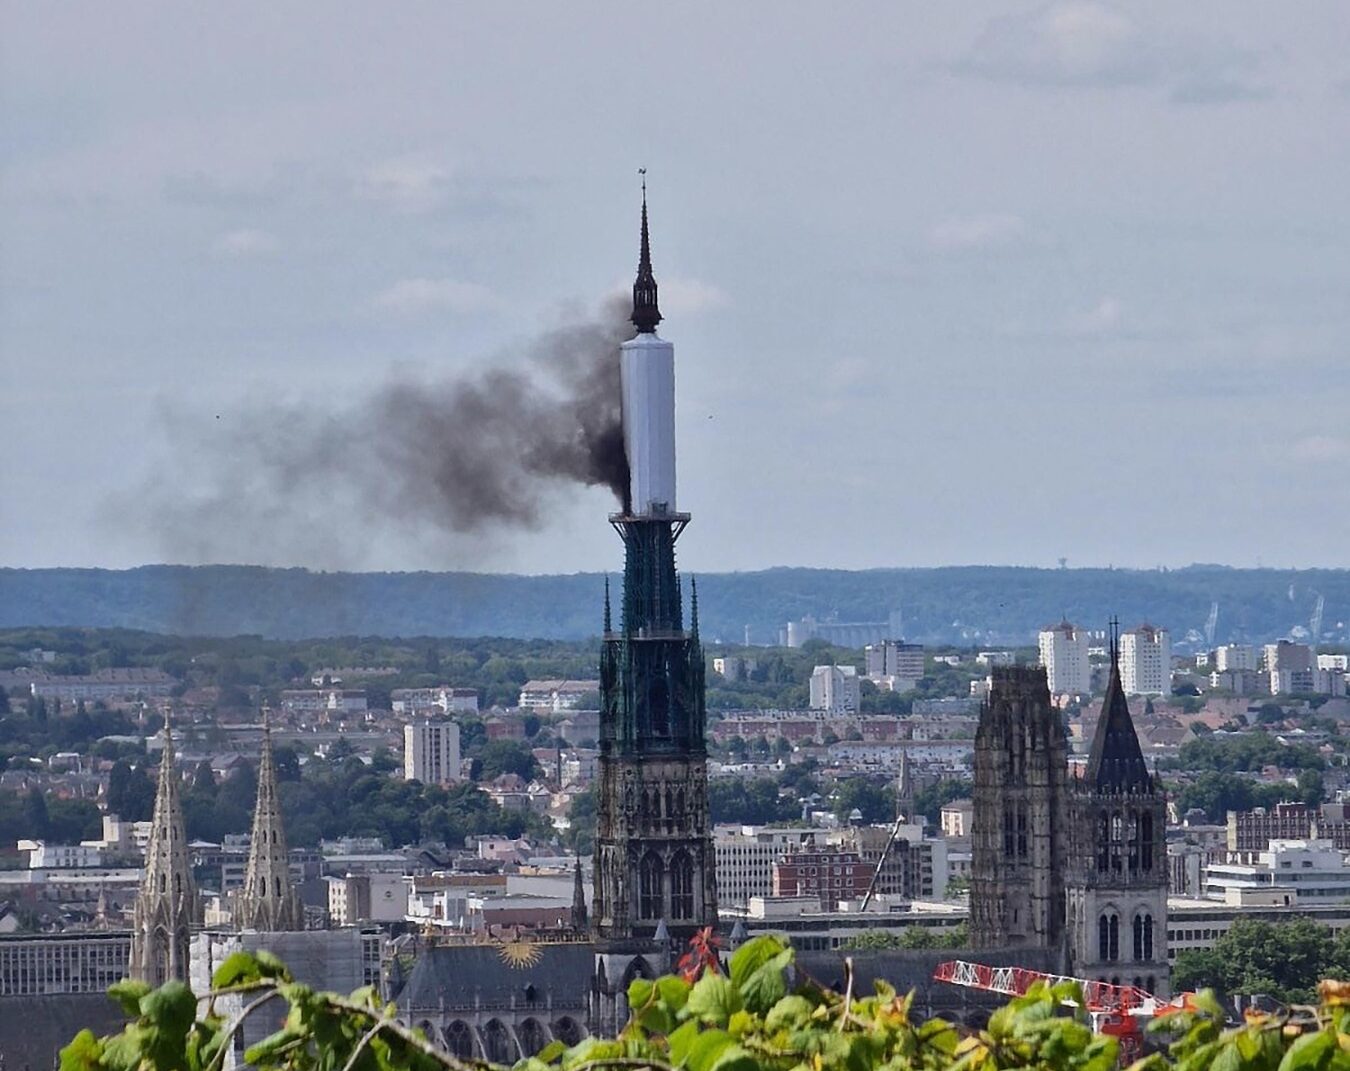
(969, 604)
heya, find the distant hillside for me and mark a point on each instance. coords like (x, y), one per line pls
(974, 604)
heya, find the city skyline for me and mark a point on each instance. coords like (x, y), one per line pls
(1001, 286)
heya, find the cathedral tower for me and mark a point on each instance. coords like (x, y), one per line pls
(166, 907)
(268, 901)
(1117, 875)
(1019, 835)
(654, 874)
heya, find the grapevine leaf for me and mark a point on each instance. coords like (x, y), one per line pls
(714, 999)
(239, 967)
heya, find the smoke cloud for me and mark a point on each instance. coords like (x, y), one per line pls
(316, 483)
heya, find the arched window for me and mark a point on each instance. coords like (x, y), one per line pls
(1009, 837)
(1108, 937)
(1022, 831)
(1148, 937)
(567, 1030)
(1146, 841)
(532, 1036)
(500, 1046)
(1133, 841)
(682, 886)
(458, 1038)
(649, 887)
(1103, 842)
(1138, 938)
(1152, 983)
(660, 707)
(1117, 837)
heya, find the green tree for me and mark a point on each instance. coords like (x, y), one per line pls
(1310, 788)
(131, 793)
(507, 756)
(1283, 960)
(876, 802)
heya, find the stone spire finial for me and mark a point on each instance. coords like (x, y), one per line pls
(580, 922)
(646, 315)
(268, 901)
(166, 906)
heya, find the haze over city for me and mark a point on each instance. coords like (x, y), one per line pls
(1017, 283)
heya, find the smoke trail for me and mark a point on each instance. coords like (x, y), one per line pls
(280, 483)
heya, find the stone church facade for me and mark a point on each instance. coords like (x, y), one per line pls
(1074, 865)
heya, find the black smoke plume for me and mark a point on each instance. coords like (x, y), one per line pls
(286, 483)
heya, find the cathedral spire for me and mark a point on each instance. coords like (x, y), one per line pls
(267, 901)
(166, 907)
(1116, 761)
(693, 609)
(646, 315)
(579, 919)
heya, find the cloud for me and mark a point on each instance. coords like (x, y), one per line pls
(689, 296)
(406, 185)
(1321, 448)
(417, 297)
(977, 232)
(246, 242)
(1103, 318)
(1088, 44)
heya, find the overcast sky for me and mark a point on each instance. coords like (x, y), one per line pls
(951, 283)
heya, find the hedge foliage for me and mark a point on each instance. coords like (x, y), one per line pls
(745, 1017)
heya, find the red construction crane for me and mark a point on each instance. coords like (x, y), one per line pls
(1117, 1010)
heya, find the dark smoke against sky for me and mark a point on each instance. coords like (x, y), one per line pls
(449, 462)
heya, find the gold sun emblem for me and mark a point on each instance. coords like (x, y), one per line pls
(520, 954)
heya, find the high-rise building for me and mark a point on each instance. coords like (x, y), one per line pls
(1291, 667)
(1064, 654)
(431, 752)
(1146, 661)
(167, 908)
(895, 665)
(654, 862)
(835, 689)
(268, 901)
(1239, 656)
(1018, 835)
(1117, 874)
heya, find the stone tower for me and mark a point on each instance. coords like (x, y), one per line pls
(268, 901)
(1019, 835)
(167, 907)
(654, 881)
(1117, 873)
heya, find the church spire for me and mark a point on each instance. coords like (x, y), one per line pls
(1116, 762)
(646, 315)
(166, 907)
(580, 923)
(267, 901)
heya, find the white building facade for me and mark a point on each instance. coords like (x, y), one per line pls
(1146, 661)
(1064, 654)
(835, 689)
(431, 752)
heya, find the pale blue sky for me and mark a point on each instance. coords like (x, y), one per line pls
(948, 283)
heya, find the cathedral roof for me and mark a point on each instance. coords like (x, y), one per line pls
(1116, 762)
(494, 974)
